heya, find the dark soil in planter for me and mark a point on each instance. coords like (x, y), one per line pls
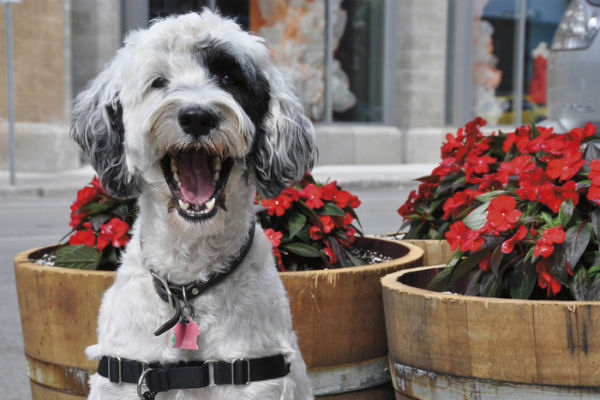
(369, 254)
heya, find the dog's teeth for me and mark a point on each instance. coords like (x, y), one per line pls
(183, 205)
(217, 164)
(173, 165)
(176, 177)
(211, 204)
(216, 176)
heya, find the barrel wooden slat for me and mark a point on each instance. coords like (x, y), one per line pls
(552, 343)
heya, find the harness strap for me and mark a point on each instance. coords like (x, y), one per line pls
(192, 374)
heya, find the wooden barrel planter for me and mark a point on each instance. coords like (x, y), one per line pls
(337, 314)
(59, 309)
(435, 252)
(451, 346)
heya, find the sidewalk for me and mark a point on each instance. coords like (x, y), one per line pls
(42, 184)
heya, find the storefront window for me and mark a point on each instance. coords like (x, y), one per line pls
(511, 40)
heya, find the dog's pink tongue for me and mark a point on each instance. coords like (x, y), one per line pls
(197, 185)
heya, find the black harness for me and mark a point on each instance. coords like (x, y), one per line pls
(192, 374)
(159, 377)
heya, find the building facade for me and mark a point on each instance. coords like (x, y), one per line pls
(383, 80)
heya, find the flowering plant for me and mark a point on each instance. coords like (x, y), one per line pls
(517, 209)
(100, 229)
(309, 225)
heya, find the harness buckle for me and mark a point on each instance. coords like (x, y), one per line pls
(120, 368)
(211, 372)
(234, 368)
(141, 382)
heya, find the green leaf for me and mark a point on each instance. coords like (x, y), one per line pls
(576, 241)
(454, 273)
(596, 222)
(522, 281)
(558, 265)
(491, 288)
(79, 256)
(594, 269)
(566, 212)
(301, 249)
(353, 259)
(489, 196)
(309, 212)
(332, 209)
(296, 223)
(496, 259)
(477, 218)
(97, 208)
(121, 211)
(580, 285)
(99, 219)
(547, 219)
(337, 248)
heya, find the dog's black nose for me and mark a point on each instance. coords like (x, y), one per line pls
(198, 121)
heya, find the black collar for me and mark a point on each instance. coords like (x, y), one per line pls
(176, 294)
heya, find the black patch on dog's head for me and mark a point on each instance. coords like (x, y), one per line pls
(240, 78)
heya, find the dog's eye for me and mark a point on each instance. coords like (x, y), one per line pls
(226, 79)
(160, 83)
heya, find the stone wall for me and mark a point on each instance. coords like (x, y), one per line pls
(42, 87)
(39, 58)
(421, 66)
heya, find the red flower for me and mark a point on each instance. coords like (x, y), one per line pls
(278, 205)
(292, 193)
(579, 134)
(331, 255)
(313, 195)
(521, 137)
(458, 202)
(545, 278)
(87, 237)
(315, 233)
(553, 196)
(594, 173)
(328, 223)
(113, 232)
(459, 236)
(551, 236)
(518, 166)
(329, 191)
(566, 166)
(456, 235)
(478, 165)
(594, 194)
(502, 214)
(509, 245)
(342, 198)
(530, 183)
(274, 237)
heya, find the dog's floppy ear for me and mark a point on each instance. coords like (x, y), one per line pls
(98, 128)
(286, 148)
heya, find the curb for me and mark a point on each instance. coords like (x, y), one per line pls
(349, 176)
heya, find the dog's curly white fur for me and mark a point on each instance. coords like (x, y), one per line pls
(129, 120)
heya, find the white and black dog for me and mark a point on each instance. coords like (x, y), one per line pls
(192, 118)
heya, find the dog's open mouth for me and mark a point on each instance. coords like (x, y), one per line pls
(197, 181)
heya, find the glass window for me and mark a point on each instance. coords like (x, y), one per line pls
(511, 39)
(360, 55)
